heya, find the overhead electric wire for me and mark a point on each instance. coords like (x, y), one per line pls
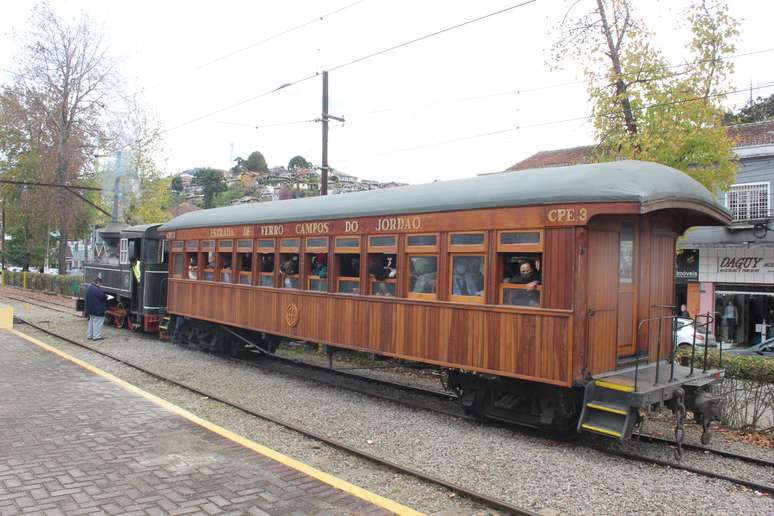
(547, 123)
(432, 34)
(273, 124)
(256, 44)
(337, 67)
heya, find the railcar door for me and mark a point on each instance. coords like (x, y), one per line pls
(604, 245)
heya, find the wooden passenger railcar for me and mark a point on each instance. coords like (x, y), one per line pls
(602, 237)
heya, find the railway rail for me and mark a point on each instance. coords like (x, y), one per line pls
(436, 395)
(500, 505)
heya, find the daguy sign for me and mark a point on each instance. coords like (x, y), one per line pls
(751, 264)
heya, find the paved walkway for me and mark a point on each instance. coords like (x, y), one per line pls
(76, 442)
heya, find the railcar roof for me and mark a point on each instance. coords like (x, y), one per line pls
(617, 181)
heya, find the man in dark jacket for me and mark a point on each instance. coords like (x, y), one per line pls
(96, 302)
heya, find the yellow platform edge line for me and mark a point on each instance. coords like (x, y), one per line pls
(327, 478)
(600, 430)
(607, 409)
(615, 386)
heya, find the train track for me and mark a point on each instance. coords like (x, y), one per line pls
(493, 503)
(452, 412)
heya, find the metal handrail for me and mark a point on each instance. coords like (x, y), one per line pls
(642, 323)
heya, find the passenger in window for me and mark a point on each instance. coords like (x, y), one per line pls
(528, 275)
(289, 268)
(193, 267)
(467, 279)
(320, 265)
(226, 268)
(382, 267)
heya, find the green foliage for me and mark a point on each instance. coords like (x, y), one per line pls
(298, 162)
(744, 367)
(54, 284)
(645, 109)
(212, 183)
(256, 162)
(231, 194)
(177, 184)
(756, 110)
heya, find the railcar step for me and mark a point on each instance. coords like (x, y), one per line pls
(615, 386)
(608, 407)
(601, 430)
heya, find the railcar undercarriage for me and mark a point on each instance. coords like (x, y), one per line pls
(515, 401)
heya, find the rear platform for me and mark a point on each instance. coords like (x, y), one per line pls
(613, 400)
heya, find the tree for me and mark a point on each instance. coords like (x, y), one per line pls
(66, 77)
(756, 110)
(298, 162)
(256, 162)
(642, 107)
(212, 183)
(177, 184)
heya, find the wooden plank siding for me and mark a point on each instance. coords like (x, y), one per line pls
(522, 343)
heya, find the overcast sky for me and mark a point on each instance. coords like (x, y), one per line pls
(385, 100)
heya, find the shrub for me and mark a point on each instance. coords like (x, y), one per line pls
(50, 283)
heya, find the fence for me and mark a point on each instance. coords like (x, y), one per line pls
(52, 284)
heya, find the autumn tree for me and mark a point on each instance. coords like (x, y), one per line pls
(644, 108)
(66, 78)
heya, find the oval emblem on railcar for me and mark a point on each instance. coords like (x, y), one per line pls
(291, 315)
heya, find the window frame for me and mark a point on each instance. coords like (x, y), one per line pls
(183, 271)
(479, 300)
(426, 296)
(261, 250)
(347, 250)
(309, 251)
(240, 250)
(422, 248)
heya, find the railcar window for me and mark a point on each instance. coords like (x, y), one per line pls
(467, 277)
(265, 245)
(178, 245)
(317, 271)
(317, 242)
(225, 244)
(348, 278)
(244, 245)
(179, 264)
(209, 265)
(164, 252)
(382, 241)
(225, 267)
(208, 245)
(265, 264)
(289, 270)
(382, 274)
(192, 245)
(193, 265)
(123, 251)
(626, 261)
(520, 237)
(423, 279)
(245, 264)
(348, 242)
(522, 281)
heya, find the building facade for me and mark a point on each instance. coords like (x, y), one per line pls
(735, 280)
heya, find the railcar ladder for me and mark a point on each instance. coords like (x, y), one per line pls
(607, 409)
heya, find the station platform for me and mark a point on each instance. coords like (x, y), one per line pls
(77, 440)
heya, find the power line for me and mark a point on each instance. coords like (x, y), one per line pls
(256, 44)
(542, 124)
(538, 88)
(274, 124)
(432, 34)
(360, 59)
(51, 185)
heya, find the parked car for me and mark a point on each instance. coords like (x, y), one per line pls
(14, 269)
(765, 349)
(684, 336)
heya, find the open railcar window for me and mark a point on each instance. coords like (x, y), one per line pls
(265, 262)
(316, 263)
(244, 261)
(521, 267)
(347, 252)
(382, 265)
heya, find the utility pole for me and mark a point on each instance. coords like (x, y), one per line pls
(324, 119)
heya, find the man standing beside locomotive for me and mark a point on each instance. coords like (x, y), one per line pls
(96, 302)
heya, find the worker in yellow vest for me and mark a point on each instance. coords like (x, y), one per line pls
(136, 264)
